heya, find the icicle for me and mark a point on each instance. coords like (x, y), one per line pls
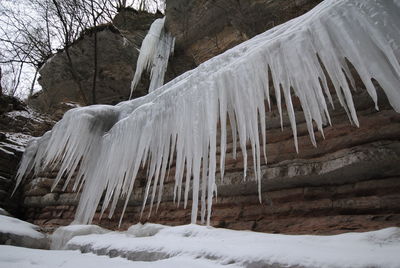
(109, 144)
(156, 48)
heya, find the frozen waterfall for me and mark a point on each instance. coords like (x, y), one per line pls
(156, 48)
(178, 121)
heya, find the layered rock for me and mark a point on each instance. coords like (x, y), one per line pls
(205, 28)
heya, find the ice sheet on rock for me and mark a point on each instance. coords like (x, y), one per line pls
(143, 230)
(65, 233)
(177, 123)
(156, 48)
(252, 249)
(10, 225)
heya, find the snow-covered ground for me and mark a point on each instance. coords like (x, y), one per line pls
(17, 257)
(245, 248)
(154, 245)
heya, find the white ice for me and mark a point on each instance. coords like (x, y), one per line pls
(178, 121)
(65, 233)
(156, 48)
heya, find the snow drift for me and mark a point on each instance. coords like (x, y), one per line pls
(108, 144)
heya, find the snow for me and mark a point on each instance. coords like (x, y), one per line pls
(14, 142)
(177, 123)
(63, 234)
(10, 225)
(17, 257)
(13, 147)
(156, 48)
(148, 229)
(370, 249)
(6, 151)
(2, 210)
(20, 140)
(71, 104)
(29, 114)
(200, 246)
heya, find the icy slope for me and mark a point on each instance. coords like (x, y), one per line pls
(249, 249)
(180, 119)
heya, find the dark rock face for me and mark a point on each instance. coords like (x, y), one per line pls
(18, 124)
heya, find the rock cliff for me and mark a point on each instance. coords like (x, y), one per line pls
(117, 50)
(205, 28)
(18, 124)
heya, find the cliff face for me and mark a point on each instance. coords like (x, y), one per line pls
(351, 181)
(205, 28)
(117, 47)
(18, 124)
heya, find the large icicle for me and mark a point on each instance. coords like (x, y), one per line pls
(156, 48)
(180, 119)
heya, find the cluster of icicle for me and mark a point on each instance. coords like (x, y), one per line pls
(178, 121)
(156, 48)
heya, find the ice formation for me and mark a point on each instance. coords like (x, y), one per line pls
(156, 48)
(178, 121)
(63, 234)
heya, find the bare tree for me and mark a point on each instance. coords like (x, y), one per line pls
(27, 38)
(31, 38)
(97, 12)
(69, 25)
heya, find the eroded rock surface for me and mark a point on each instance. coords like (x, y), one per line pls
(18, 124)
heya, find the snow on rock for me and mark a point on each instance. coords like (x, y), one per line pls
(16, 257)
(20, 233)
(3, 211)
(15, 226)
(177, 123)
(143, 230)
(65, 233)
(16, 141)
(25, 114)
(4, 150)
(251, 249)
